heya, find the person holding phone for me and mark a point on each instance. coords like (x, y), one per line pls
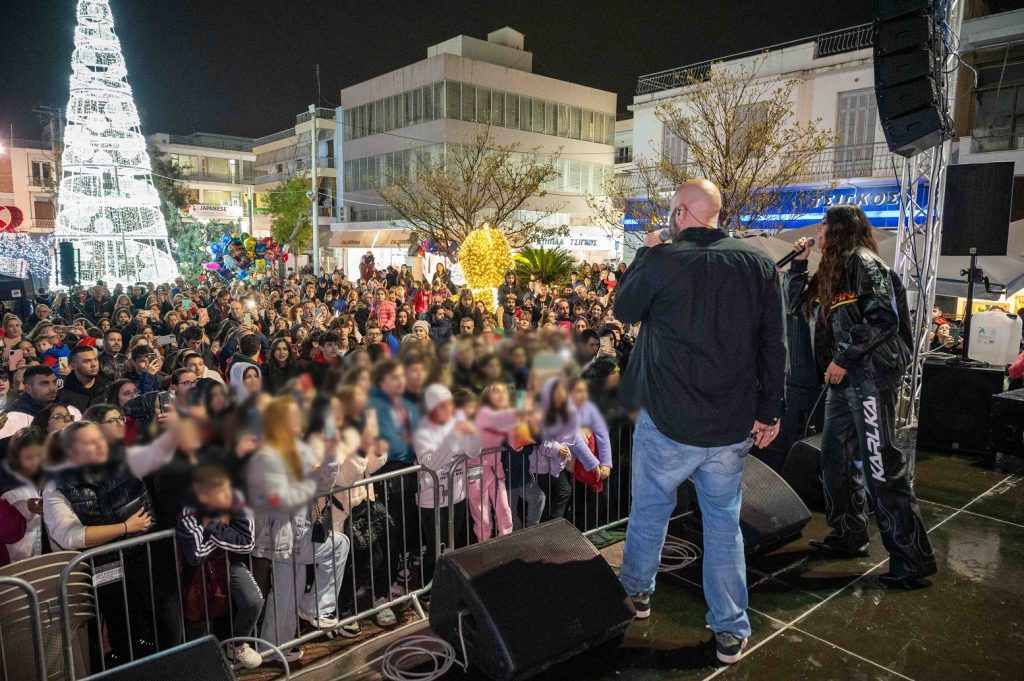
(946, 341)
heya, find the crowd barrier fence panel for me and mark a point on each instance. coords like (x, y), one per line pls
(144, 607)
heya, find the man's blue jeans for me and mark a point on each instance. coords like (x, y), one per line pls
(659, 466)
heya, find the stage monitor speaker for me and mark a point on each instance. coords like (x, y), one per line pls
(802, 472)
(66, 251)
(1008, 422)
(908, 60)
(771, 513)
(526, 601)
(956, 403)
(976, 212)
(199, 660)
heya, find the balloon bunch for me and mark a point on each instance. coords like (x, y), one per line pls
(242, 256)
(430, 246)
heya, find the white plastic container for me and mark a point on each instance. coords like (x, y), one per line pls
(995, 338)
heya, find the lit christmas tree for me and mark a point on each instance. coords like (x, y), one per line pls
(109, 208)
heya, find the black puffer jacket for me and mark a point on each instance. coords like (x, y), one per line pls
(103, 494)
(868, 331)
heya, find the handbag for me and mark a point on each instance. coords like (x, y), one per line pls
(366, 523)
(320, 523)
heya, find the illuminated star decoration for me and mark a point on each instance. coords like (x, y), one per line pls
(485, 256)
(108, 206)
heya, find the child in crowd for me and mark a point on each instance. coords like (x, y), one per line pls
(486, 479)
(520, 482)
(50, 354)
(215, 536)
(560, 439)
(438, 440)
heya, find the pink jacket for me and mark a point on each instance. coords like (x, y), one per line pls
(492, 426)
(1017, 368)
(386, 312)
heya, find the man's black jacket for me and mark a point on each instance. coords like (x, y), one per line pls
(710, 357)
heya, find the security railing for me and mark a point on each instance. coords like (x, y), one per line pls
(502, 490)
(825, 45)
(363, 563)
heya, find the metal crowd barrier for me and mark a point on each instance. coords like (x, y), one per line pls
(477, 516)
(119, 589)
(15, 613)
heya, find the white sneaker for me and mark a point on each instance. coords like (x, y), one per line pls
(292, 654)
(386, 617)
(247, 657)
(325, 620)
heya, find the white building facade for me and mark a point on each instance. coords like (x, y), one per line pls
(442, 100)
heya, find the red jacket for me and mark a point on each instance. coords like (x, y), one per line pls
(12, 529)
(421, 301)
(1017, 368)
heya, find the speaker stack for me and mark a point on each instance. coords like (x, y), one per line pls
(66, 261)
(956, 406)
(909, 59)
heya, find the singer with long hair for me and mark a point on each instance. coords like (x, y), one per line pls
(861, 343)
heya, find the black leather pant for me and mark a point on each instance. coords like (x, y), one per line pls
(859, 460)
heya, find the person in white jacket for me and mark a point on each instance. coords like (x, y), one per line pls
(21, 477)
(438, 441)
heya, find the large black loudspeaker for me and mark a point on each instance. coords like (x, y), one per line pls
(199, 660)
(771, 513)
(956, 402)
(802, 472)
(524, 602)
(66, 257)
(1008, 422)
(908, 58)
(976, 212)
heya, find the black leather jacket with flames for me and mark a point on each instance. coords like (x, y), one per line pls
(868, 331)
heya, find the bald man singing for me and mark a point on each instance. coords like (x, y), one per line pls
(707, 378)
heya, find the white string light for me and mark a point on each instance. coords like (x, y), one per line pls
(109, 208)
(21, 254)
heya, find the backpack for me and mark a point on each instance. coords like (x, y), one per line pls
(206, 595)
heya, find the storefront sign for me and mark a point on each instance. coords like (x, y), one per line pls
(211, 212)
(881, 203)
(369, 238)
(593, 239)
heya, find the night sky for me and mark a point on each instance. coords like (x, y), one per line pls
(246, 67)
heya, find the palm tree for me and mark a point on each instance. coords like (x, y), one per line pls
(550, 265)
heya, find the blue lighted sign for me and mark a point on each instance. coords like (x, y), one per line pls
(881, 203)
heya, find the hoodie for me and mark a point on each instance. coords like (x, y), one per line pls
(74, 394)
(198, 544)
(52, 357)
(21, 412)
(545, 459)
(237, 384)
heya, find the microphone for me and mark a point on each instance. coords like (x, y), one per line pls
(785, 260)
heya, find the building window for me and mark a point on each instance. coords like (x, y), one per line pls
(512, 111)
(42, 173)
(998, 100)
(624, 155)
(42, 210)
(855, 128)
(673, 150)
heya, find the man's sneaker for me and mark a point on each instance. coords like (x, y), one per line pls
(292, 654)
(350, 630)
(247, 657)
(325, 620)
(642, 605)
(729, 648)
(386, 617)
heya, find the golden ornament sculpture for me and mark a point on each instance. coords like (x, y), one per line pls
(485, 257)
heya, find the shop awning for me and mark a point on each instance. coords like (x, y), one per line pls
(368, 238)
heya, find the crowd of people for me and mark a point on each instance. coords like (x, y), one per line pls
(244, 417)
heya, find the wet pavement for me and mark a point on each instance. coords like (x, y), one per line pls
(832, 619)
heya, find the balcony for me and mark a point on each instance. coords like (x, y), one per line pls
(832, 164)
(825, 45)
(840, 163)
(1005, 141)
(323, 113)
(36, 181)
(40, 226)
(223, 178)
(213, 141)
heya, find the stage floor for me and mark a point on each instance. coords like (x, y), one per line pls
(832, 619)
